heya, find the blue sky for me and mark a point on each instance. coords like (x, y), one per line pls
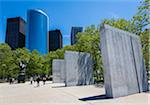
(64, 14)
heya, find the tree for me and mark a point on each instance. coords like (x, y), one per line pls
(21, 55)
(142, 23)
(35, 64)
(88, 41)
(122, 24)
(142, 18)
(8, 68)
(146, 47)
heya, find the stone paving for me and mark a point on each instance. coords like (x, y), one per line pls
(57, 94)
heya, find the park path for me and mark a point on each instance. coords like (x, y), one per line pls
(56, 94)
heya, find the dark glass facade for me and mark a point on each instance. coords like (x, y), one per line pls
(74, 31)
(37, 31)
(55, 40)
(15, 32)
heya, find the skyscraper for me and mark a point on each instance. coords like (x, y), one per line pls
(37, 31)
(74, 31)
(55, 40)
(15, 32)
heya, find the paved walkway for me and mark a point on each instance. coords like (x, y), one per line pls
(56, 94)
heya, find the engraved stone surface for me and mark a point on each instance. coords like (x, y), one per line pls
(124, 72)
(79, 68)
(58, 71)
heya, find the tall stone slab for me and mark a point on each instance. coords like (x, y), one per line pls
(124, 72)
(79, 68)
(58, 71)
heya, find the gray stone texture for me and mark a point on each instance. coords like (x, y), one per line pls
(79, 68)
(124, 72)
(58, 71)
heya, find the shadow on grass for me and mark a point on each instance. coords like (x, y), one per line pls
(99, 97)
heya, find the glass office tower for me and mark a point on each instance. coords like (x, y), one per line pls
(74, 32)
(37, 31)
(55, 40)
(15, 32)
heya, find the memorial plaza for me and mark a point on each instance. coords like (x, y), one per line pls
(124, 83)
(56, 94)
(125, 77)
(69, 62)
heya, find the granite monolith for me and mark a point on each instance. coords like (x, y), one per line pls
(58, 71)
(124, 69)
(79, 68)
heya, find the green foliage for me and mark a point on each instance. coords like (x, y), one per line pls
(7, 63)
(146, 47)
(142, 23)
(122, 24)
(36, 64)
(22, 54)
(142, 18)
(88, 41)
